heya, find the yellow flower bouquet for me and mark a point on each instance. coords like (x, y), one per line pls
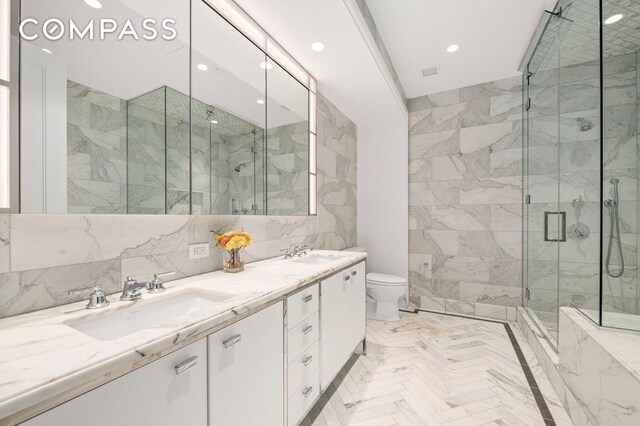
(232, 242)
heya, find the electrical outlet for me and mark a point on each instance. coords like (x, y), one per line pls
(198, 251)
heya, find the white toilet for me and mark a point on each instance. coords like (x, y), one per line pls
(385, 294)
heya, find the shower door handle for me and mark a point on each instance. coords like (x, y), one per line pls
(561, 232)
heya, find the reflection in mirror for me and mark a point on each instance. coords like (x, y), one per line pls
(287, 144)
(82, 98)
(128, 122)
(229, 116)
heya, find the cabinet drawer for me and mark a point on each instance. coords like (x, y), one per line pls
(302, 399)
(302, 304)
(302, 368)
(302, 336)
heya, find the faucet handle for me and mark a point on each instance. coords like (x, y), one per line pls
(287, 253)
(163, 274)
(97, 298)
(156, 285)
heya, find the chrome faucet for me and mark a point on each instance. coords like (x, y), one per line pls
(299, 251)
(97, 298)
(156, 285)
(132, 287)
(287, 253)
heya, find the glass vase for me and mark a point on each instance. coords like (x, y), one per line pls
(232, 262)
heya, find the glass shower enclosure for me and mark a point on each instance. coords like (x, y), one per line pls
(580, 171)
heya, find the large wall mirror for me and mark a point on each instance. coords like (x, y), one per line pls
(180, 115)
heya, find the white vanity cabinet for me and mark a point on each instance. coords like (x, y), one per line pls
(246, 371)
(258, 371)
(167, 392)
(303, 334)
(343, 319)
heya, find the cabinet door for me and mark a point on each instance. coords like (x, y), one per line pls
(357, 302)
(156, 394)
(246, 371)
(343, 319)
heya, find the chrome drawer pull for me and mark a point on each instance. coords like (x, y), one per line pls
(232, 341)
(307, 329)
(354, 273)
(187, 365)
(307, 391)
(308, 298)
(307, 360)
(347, 278)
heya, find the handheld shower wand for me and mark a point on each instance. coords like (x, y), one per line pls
(614, 225)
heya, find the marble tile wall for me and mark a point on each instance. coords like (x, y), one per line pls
(465, 194)
(146, 150)
(564, 165)
(96, 151)
(288, 169)
(550, 364)
(42, 257)
(244, 190)
(600, 368)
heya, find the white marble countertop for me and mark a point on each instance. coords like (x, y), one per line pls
(42, 358)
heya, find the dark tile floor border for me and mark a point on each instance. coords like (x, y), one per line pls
(531, 380)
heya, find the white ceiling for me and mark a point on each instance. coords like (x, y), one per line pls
(346, 71)
(493, 36)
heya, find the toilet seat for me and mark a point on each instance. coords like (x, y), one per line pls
(385, 280)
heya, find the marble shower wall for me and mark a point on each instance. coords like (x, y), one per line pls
(288, 169)
(465, 195)
(564, 165)
(146, 150)
(96, 151)
(245, 186)
(42, 257)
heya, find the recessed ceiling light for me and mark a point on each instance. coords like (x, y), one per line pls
(94, 4)
(202, 67)
(453, 48)
(45, 50)
(214, 121)
(317, 46)
(613, 19)
(266, 65)
(260, 101)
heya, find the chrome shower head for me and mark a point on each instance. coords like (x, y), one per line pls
(237, 169)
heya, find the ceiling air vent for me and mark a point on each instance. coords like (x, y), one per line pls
(429, 72)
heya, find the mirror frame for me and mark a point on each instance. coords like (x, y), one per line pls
(10, 140)
(233, 14)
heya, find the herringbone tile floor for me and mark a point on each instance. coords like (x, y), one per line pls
(431, 369)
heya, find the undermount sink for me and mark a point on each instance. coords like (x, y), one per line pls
(123, 322)
(317, 258)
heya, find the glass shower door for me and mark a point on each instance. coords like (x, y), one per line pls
(543, 222)
(562, 166)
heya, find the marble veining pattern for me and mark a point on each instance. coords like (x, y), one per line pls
(465, 194)
(601, 368)
(96, 151)
(42, 357)
(431, 369)
(38, 252)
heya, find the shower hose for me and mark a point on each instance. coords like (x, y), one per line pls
(614, 225)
